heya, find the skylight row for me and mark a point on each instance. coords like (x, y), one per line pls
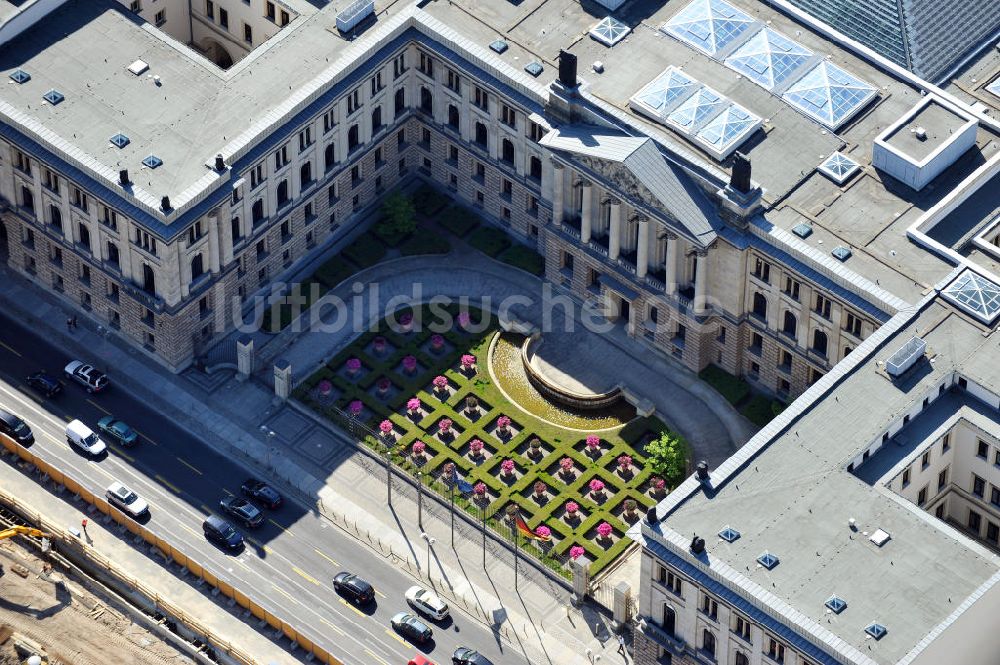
(823, 91)
(713, 121)
(994, 87)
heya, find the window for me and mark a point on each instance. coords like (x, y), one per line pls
(741, 627)
(756, 343)
(398, 65)
(674, 583)
(709, 606)
(708, 642)
(822, 306)
(453, 154)
(925, 461)
(426, 101)
(79, 199)
(375, 84)
(282, 193)
(789, 325)
(995, 496)
(160, 18)
(377, 120)
(247, 34)
(197, 267)
(353, 141)
(481, 99)
(480, 172)
(256, 175)
(853, 325)
(906, 477)
(983, 450)
(759, 306)
(454, 82)
(210, 9)
(355, 175)
(507, 152)
(269, 10)
(922, 497)
(22, 162)
(286, 231)
(508, 116)
(257, 212)
(453, 117)
(305, 176)
(775, 650)
(992, 532)
(108, 217)
(742, 658)
(942, 479)
(535, 168)
(329, 157)
(946, 443)
(762, 270)
(195, 232)
(305, 138)
(281, 157)
(235, 230)
(223, 18)
(819, 342)
(426, 65)
(135, 6)
(481, 136)
(329, 120)
(785, 360)
(975, 521)
(978, 486)
(51, 180)
(354, 101)
(506, 189)
(284, 18)
(399, 101)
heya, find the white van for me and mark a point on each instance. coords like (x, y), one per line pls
(83, 437)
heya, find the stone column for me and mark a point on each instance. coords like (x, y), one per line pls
(226, 240)
(670, 278)
(282, 379)
(642, 249)
(620, 611)
(168, 277)
(125, 256)
(615, 230)
(805, 300)
(701, 282)
(586, 212)
(184, 271)
(213, 243)
(558, 191)
(244, 357)
(581, 580)
(67, 219)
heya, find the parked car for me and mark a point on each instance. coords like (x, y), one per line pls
(261, 493)
(87, 376)
(427, 603)
(83, 437)
(243, 510)
(117, 431)
(44, 383)
(467, 656)
(15, 428)
(410, 627)
(125, 500)
(358, 590)
(419, 659)
(222, 533)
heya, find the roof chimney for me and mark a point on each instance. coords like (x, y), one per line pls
(702, 470)
(651, 515)
(697, 545)
(165, 203)
(921, 134)
(123, 178)
(567, 69)
(220, 164)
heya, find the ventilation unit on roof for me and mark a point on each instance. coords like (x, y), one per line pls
(802, 230)
(138, 67)
(767, 560)
(880, 537)
(835, 604)
(841, 253)
(905, 357)
(876, 630)
(152, 161)
(354, 14)
(119, 140)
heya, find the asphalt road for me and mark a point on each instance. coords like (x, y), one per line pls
(289, 562)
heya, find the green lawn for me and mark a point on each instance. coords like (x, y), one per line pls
(733, 388)
(429, 201)
(458, 220)
(525, 258)
(365, 252)
(557, 442)
(489, 240)
(425, 241)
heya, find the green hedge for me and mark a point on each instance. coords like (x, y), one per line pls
(733, 388)
(489, 241)
(425, 241)
(389, 237)
(334, 271)
(366, 251)
(429, 201)
(525, 258)
(458, 220)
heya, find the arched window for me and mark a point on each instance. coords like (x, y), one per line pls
(819, 342)
(400, 101)
(148, 279)
(329, 157)
(306, 175)
(352, 138)
(197, 267)
(790, 324)
(741, 658)
(708, 642)
(481, 139)
(669, 623)
(235, 229)
(377, 120)
(507, 151)
(257, 211)
(55, 216)
(27, 199)
(426, 101)
(113, 256)
(453, 118)
(282, 193)
(84, 236)
(536, 168)
(760, 306)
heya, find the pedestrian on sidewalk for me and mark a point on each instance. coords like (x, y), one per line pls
(75, 326)
(69, 323)
(621, 644)
(83, 523)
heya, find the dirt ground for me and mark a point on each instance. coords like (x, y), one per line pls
(72, 625)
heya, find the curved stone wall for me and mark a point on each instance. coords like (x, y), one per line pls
(557, 393)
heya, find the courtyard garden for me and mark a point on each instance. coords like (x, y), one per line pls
(758, 408)
(420, 386)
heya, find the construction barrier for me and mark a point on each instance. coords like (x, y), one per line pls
(169, 552)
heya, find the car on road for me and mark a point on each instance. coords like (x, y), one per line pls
(358, 590)
(117, 431)
(222, 533)
(15, 428)
(243, 510)
(427, 603)
(419, 659)
(87, 376)
(125, 500)
(84, 438)
(410, 627)
(467, 656)
(261, 493)
(44, 383)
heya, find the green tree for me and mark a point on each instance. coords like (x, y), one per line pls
(666, 456)
(399, 218)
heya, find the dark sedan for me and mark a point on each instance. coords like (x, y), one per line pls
(410, 627)
(467, 656)
(355, 588)
(261, 493)
(222, 533)
(243, 510)
(46, 384)
(118, 431)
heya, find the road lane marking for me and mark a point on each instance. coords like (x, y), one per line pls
(98, 407)
(379, 593)
(189, 529)
(284, 593)
(228, 492)
(391, 633)
(353, 608)
(147, 437)
(258, 544)
(381, 660)
(166, 483)
(304, 575)
(333, 626)
(333, 561)
(12, 350)
(280, 526)
(121, 453)
(189, 465)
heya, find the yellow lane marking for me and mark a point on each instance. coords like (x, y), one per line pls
(333, 627)
(121, 453)
(353, 608)
(98, 407)
(188, 465)
(258, 544)
(168, 484)
(284, 593)
(228, 492)
(381, 660)
(379, 593)
(280, 526)
(391, 633)
(187, 528)
(248, 568)
(305, 575)
(333, 561)
(147, 437)
(11, 349)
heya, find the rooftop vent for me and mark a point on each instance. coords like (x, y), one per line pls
(876, 630)
(165, 203)
(880, 537)
(841, 253)
(53, 97)
(138, 67)
(651, 517)
(905, 357)
(920, 133)
(609, 31)
(767, 560)
(835, 604)
(697, 545)
(802, 230)
(702, 470)
(119, 140)
(123, 178)
(220, 163)
(354, 14)
(729, 534)
(152, 162)
(498, 45)
(534, 68)
(20, 76)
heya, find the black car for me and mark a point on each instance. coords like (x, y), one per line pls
(222, 533)
(261, 493)
(46, 384)
(354, 587)
(410, 627)
(15, 428)
(242, 510)
(467, 656)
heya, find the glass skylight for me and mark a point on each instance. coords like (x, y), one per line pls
(120, 140)
(20, 76)
(768, 58)
(708, 25)
(841, 253)
(829, 94)
(534, 68)
(728, 127)
(663, 92)
(876, 630)
(498, 45)
(729, 534)
(839, 167)
(976, 295)
(767, 560)
(53, 97)
(836, 605)
(610, 31)
(994, 87)
(696, 109)
(802, 230)
(152, 161)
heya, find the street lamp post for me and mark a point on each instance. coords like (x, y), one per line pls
(430, 541)
(420, 499)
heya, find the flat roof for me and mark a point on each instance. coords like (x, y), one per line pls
(791, 494)
(938, 123)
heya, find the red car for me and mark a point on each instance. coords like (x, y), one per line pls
(419, 660)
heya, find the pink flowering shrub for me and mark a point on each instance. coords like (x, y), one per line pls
(440, 382)
(353, 365)
(476, 447)
(543, 531)
(325, 387)
(596, 485)
(413, 404)
(468, 360)
(503, 422)
(576, 552)
(540, 487)
(437, 341)
(355, 407)
(383, 384)
(444, 426)
(507, 467)
(418, 448)
(604, 530)
(409, 364)
(385, 426)
(593, 442)
(406, 321)
(571, 508)
(566, 464)
(625, 463)
(479, 489)
(379, 344)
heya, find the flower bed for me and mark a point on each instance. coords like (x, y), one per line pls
(503, 471)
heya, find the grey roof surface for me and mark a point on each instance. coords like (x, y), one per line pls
(928, 37)
(670, 185)
(795, 496)
(938, 122)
